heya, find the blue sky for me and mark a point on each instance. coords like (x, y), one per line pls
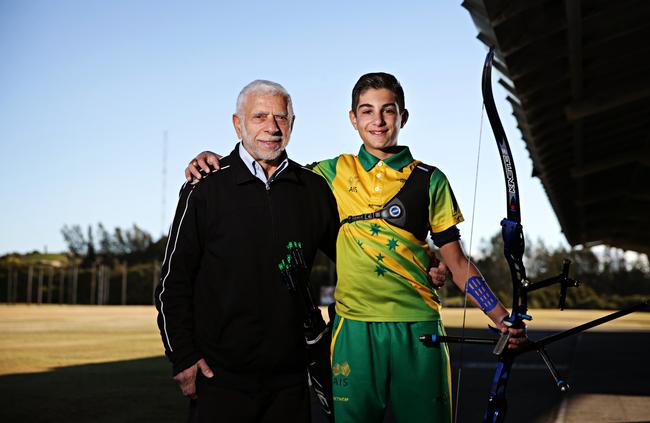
(87, 89)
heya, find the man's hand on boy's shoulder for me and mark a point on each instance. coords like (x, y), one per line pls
(204, 163)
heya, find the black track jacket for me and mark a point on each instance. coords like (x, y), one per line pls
(220, 295)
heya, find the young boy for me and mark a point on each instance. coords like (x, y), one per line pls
(388, 202)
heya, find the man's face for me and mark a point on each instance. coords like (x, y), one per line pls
(265, 126)
(378, 120)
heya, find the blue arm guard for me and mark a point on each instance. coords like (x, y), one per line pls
(478, 289)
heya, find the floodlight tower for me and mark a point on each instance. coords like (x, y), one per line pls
(163, 219)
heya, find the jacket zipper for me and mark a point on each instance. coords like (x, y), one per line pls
(274, 224)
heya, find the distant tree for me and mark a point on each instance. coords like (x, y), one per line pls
(105, 241)
(90, 246)
(137, 239)
(607, 281)
(74, 238)
(133, 244)
(157, 249)
(120, 243)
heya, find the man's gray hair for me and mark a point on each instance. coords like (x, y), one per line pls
(261, 87)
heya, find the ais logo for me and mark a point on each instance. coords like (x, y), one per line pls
(340, 373)
(353, 181)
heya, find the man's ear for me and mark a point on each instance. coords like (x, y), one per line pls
(353, 119)
(293, 120)
(405, 117)
(236, 122)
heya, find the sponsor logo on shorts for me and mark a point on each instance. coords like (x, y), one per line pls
(341, 369)
(340, 373)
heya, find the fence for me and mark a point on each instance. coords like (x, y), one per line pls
(118, 284)
(99, 284)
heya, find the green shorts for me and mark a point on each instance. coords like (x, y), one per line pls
(377, 362)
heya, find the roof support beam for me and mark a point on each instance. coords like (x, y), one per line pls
(609, 196)
(605, 101)
(630, 157)
(574, 38)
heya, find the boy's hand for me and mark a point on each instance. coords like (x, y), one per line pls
(438, 273)
(206, 161)
(518, 337)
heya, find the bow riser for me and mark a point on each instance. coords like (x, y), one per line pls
(513, 249)
(497, 403)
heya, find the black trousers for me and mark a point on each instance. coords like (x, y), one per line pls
(216, 404)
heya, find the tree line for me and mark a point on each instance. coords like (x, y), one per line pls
(133, 245)
(100, 267)
(122, 266)
(609, 279)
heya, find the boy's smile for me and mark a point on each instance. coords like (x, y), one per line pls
(378, 120)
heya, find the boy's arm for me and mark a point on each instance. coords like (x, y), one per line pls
(326, 169)
(479, 292)
(205, 162)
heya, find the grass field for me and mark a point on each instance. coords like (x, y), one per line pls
(105, 364)
(41, 338)
(84, 364)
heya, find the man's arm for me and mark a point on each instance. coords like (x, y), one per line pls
(174, 293)
(479, 292)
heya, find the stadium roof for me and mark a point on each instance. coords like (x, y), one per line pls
(578, 78)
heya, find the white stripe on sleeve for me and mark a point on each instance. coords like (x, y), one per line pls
(171, 255)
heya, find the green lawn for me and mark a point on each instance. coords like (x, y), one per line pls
(84, 364)
(105, 364)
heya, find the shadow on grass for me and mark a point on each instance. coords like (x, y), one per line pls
(123, 391)
(117, 392)
(143, 391)
(592, 363)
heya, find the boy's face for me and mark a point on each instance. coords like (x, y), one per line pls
(378, 120)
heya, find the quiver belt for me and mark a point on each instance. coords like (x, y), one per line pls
(409, 208)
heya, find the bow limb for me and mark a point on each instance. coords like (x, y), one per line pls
(512, 231)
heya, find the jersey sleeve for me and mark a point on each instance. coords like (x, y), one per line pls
(326, 169)
(443, 207)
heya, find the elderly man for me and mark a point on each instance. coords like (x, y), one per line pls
(230, 328)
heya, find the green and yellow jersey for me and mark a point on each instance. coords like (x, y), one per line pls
(382, 269)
